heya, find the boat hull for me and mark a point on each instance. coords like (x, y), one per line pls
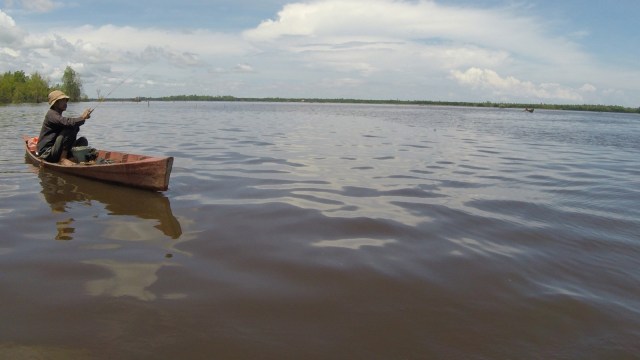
(140, 171)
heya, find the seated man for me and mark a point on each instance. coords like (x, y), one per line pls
(58, 134)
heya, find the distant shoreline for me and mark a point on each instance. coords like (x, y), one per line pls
(583, 107)
(487, 104)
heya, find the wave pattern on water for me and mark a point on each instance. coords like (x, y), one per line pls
(324, 231)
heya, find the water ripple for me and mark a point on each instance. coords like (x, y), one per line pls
(422, 232)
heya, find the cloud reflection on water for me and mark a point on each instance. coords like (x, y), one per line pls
(60, 191)
(129, 216)
(354, 244)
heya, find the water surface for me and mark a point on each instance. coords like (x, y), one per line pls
(323, 231)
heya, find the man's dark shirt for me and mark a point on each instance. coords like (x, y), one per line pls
(53, 124)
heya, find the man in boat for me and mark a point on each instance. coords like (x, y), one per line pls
(58, 134)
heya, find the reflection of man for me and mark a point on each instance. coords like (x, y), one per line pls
(65, 229)
(59, 190)
(58, 134)
(58, 193)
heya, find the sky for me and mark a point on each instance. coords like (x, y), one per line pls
(523, 51)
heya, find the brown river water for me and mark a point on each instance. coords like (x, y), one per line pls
(318, 231)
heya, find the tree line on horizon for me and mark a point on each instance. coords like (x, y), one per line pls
(574, 107)
(18, 87)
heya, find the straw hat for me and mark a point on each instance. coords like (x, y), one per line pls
(56, 95)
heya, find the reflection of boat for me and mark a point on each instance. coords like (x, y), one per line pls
(140, 171)
(529, 109)
(61, 189)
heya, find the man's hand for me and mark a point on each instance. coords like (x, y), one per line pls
(86, 114)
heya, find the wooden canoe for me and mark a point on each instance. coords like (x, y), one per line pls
(140, 171)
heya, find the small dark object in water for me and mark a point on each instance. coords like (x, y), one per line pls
(529, 109)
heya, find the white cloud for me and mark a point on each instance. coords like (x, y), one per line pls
(132, 39)
(502, 87)
(38, 5)
(376, 48)
(6, 22)
(107, 52)
(175, 58)
(418, 22)
(243, 68)
(454, 57)
(588, 88)
(9, 32)
(341, 83)
(9, 52)
(385, 39)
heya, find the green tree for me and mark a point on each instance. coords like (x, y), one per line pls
(6, 88)
(19, 77)
(19, 95)
(38, 88)
(71, 84)
(19, 87)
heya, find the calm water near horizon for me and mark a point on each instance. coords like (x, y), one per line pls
(327, 231)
